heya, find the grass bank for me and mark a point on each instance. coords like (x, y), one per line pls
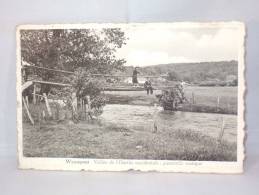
(107, 140)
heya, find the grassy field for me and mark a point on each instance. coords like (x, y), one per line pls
(205, 99)
(209, 95)
(98, 140)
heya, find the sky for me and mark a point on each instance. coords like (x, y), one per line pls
(155, 45)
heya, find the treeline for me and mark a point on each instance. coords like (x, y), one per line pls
(199, 73)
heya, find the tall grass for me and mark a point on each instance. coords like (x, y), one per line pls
(198, 147)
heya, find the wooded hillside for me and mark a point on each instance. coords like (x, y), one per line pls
(192, 72)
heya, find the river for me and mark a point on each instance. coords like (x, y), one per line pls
(141, 118)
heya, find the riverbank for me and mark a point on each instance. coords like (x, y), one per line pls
(222, 100)
(111, 141)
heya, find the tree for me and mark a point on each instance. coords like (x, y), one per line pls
(82, 51)
(70, 49)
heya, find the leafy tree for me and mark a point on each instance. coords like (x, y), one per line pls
(70, 49)
(82, 51)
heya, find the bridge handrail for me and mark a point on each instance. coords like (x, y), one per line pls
(104, 75)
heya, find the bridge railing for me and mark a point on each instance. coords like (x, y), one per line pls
(101, 75)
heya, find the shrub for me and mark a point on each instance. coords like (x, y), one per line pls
(83, 85)
(171, 98)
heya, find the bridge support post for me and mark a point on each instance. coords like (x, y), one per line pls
(27, 110)
(47, 104)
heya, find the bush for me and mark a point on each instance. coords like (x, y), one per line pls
(213, 83)
(171, 98)
(83, 85)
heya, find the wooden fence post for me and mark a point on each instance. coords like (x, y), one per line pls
(34, 93)
(47, 104)
(88, 110)
(218, 99)
(74, 102)
(83, 109)
(43, 114)
(82, 105)
(27, 110)
(221, 133)
(89, 102)
(155, 126)
(193, 100)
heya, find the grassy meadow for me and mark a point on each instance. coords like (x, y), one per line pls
(97, 140)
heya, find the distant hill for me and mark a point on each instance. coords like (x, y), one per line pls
(192, 72)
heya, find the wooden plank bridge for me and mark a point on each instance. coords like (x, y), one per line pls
(106, 88)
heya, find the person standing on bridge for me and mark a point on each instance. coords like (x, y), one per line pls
(135, 77)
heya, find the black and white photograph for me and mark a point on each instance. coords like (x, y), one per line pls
(116, 97)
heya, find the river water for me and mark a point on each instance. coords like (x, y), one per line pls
(142, 118)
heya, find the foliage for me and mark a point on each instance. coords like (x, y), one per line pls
(170, 99)
(69, 49)
(192, 72)
(234, 83)
(85, 85)
(82, 51)
(82, 85)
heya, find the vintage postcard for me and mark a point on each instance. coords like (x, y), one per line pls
(165, 97)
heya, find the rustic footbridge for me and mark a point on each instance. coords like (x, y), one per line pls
(87, 108)
(106, 88)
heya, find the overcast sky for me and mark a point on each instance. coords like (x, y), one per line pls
(152, 45)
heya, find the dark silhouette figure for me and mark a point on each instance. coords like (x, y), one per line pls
(135, 76)
(148, 87)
